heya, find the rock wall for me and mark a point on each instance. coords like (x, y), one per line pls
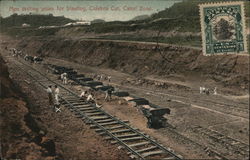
(143, 59)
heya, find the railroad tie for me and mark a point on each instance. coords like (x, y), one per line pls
(99, 118)
(117, 132)
(152, 153)
(67, 103)
(87, 109)
(147, 149)
(83, 106)
(128, 139)
(123, 136)
(91, 111)
(75, 100)
(94, 114)
(69, 97)
(116, 127)
(104, 121)
(139, 144)
(103, 124)
(77, 104)
(132, 139)
(109, 123)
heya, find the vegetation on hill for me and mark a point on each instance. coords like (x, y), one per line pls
(181, 17)
(97, 21)
(141, 17)
(34, 20)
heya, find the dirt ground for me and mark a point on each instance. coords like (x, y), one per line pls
(226, 113)
(30, 129)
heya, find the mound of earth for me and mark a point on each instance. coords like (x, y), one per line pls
(19, 138)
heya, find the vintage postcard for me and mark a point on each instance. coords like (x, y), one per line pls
(124, 79)
(223, 28)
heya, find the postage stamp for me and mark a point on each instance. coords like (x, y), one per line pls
(223, 28)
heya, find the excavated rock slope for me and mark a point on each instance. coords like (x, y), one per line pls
(144, 59)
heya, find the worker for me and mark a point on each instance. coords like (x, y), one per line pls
(108, 94)
(83, 94)
(65, 79)
(56, 92)
(109, 78)
(62, 77)
(215, 90)
(13, 52)
(57, 103)
(90, 98)
(207, 91)
(98, 77)
(26, 57)
(49, 91)
(201, 88)
(35, 59)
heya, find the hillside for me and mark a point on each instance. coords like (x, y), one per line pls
(34, 20)
(182, 17)
(179, 24)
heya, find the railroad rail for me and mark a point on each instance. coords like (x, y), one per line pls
(138, 144)
(230, 143)
(233, 107)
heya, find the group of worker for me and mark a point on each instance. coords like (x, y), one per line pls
(206, 91)
(54, 101)
(102, 77)
(89, 96)
(85, 95)
(14, 52)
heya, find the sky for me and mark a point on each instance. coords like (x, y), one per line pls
(108, 10)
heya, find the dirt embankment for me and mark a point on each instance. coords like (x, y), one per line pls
(144, 59)
(21, 137)
(31, 130)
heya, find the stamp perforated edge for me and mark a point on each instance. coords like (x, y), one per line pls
(202, 5)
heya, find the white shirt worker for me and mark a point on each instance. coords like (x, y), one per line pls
(57, 95)
(90, 97)
(82, 94)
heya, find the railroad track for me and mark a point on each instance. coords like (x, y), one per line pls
(232, 144)
(138, 144)
(242, 108)
(186, 100)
